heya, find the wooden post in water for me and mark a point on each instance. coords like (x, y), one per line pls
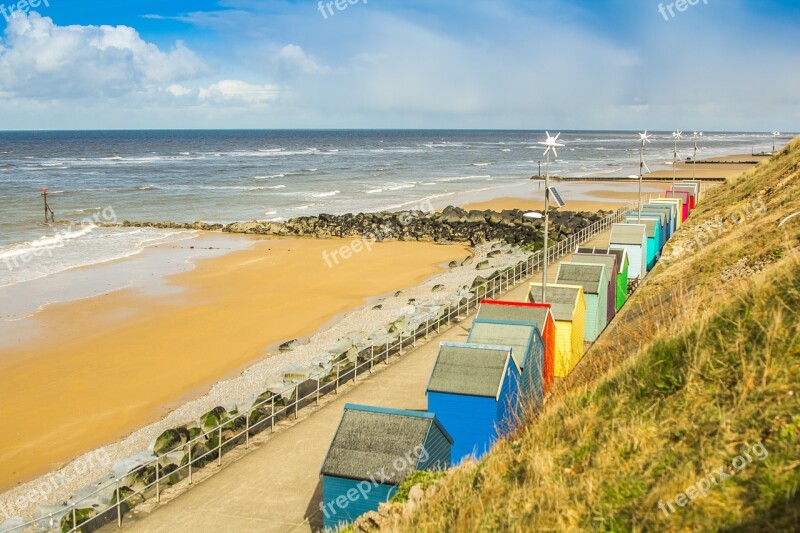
(47, 209)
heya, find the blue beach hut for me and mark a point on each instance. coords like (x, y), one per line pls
(527, 348)
(473, 391)
(373, 452)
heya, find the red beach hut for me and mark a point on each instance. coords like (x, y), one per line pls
(683, 196)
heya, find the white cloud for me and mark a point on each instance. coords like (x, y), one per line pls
(240, 92)
(293, 58)
(42, 60)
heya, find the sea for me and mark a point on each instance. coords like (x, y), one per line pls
(96, 177)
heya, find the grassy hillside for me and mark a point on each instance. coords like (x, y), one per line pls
(701, 371)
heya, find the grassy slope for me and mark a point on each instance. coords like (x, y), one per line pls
(703, 363)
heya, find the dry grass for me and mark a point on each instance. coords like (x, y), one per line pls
(703, 362)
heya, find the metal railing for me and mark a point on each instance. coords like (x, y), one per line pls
(84, 514)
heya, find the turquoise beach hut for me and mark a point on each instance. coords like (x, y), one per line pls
(669, 220)
(653, 238)
(372, 441)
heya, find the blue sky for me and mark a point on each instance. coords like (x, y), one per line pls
(560, 64)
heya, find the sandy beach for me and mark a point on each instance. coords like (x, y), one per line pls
(99, 368)
(603, 197)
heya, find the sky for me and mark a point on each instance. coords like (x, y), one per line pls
(719, 65)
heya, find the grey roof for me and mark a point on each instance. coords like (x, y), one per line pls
(607, 260)
(655, 211)
(561, 298)
(586, 275)
(690, 188)
(628, 234)
(368, 442)
(469, 370)
(516, 336)
(619, 254)
(649, 222)
(662, 208)
(513, 313)
(667, 203)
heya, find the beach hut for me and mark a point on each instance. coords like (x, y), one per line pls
(659, 215)
(372, 441)
(633, 239)
(675, 205)
(610, 262)
(622, 276)
(594, 280)
(527, 349)
(568, 305)
(699, 186)
(653, 237)
(669, 219)
(692, 189)
(473, 391)
(683, 196)
(538, 314)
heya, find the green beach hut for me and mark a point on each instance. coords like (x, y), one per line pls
(622, 276)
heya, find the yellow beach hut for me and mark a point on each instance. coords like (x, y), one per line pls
(568, 305)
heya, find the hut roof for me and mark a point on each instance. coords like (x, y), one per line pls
(619, 254)
(470, 369)
(607, 260)
(516, 335)
(650, 223)
(514, 312)
(628, 234)
(370, 439)
(562, 299)
(587, 276)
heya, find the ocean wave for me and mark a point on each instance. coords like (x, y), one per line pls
(325, 194)
(401, 187)
(463, 178)
(267, 188)
(373, 191)
(481, 164)
(43, 243)
(269, 177)
(146, 188)
(304, 207)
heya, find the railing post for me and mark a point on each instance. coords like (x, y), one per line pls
(272, 416)
(75, 515)
(427, 326)
(371, 357)
(191, 479)
(119, 506)
(318, 392)
(337, 385)
(158, 482)
(297, 394)
(219, 446)
(400, 340)
(247, 430)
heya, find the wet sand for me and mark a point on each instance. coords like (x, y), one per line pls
(88, 372)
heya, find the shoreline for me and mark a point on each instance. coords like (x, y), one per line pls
(69, 359)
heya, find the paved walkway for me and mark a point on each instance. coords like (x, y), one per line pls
(276, 487)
